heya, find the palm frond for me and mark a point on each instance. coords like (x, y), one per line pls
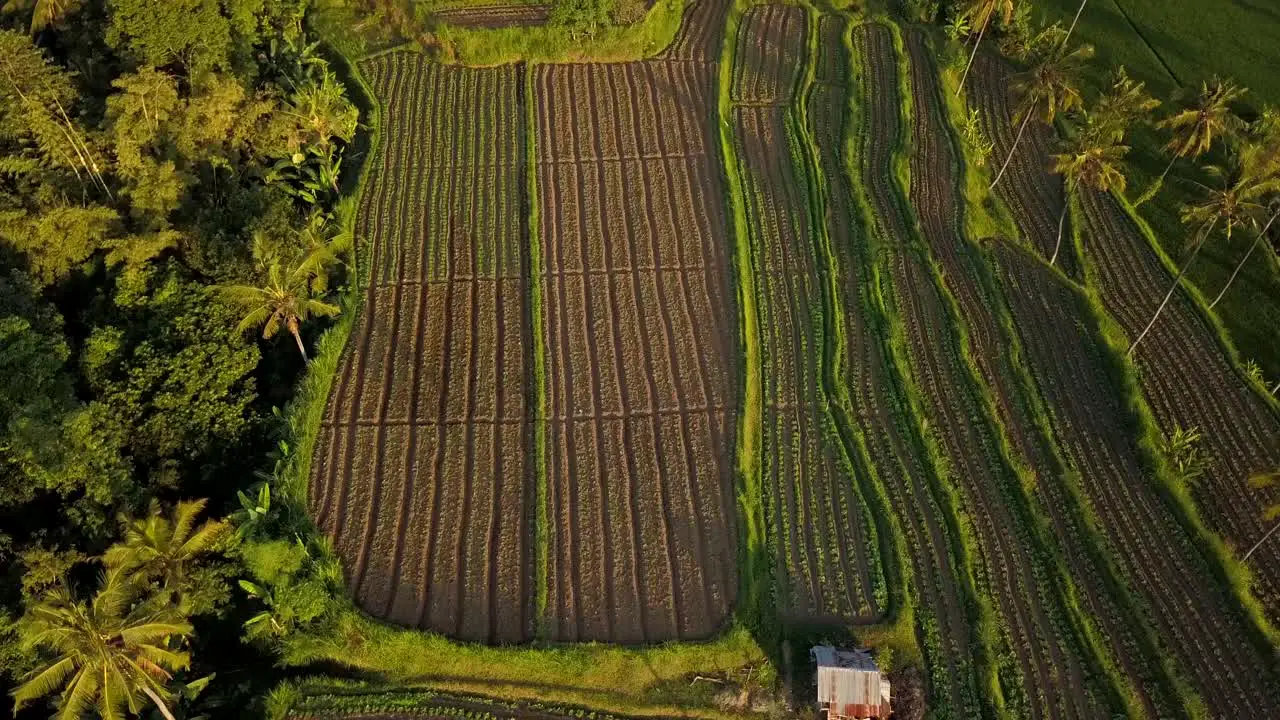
(150, 632)
(79, 696)
(40, 683)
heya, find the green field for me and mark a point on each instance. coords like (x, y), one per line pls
(1173, 47)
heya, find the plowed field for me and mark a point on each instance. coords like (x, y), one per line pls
(640, 354)
(422, 473)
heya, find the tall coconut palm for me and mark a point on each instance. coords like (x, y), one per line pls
(1092, 160)
(108, 654)
(43, 12)
(286, 300)
(1125, 103)
(1231, 205)
(1260, 155)
(164, 547)
(1261, 235)
(1075, 20)
(980, 13)
(1194, 128)
(1265, 480)
(1048, 88)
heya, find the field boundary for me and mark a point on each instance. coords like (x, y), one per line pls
(755, 605)
(539, 405)
(548, 43)
(304, 414)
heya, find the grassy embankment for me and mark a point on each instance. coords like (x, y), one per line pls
(755, 596)
(554, 43)
(884, 321)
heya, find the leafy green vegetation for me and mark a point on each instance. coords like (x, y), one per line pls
(181, 269)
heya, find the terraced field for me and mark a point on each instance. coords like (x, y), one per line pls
(495, 16)
(820, 529)
(640, 347)
(422, 474)
(651, 349)
(1190, 383)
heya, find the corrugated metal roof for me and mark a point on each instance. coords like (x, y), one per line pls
(849, 683)
(828, 656)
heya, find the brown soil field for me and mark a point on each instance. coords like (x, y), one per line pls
(641, 346)
(494, 16)
(770, 46)
(421, 475)
(1028, 189)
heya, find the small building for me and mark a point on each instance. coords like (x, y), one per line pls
(850, 686)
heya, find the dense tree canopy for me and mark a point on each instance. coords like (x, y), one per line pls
(152, 153)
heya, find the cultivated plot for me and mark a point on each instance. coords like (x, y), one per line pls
(1028, 189)
(640, 337)
(1160, 562)
(826, 561)
(1190, 383)
(1011, 569)
(422, 474)
(769, 54)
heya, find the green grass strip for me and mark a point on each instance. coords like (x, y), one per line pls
(549, 43)
(755, 600)
(541, 417)
(923, 439)
(885, 538)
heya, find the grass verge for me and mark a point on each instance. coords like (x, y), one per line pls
(541, 529)
(560, 44)
(755, 603)
(648, 681)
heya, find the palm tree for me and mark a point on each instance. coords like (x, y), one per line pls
(1260, 155)
(324, 244)
(1262, 234)
(1091, 160)
(1046, 90)
(1125, 103)
(107, 653)
(1265, 480)
(1194, 128)
(287, 299)
(980, 13)
(323, 111)
(1075, 20)
(164, 547)
(43, 12)
(1231, 205)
